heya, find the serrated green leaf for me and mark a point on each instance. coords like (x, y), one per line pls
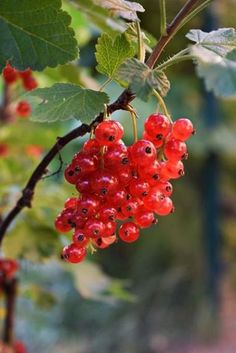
(65, 101)
(35, 34)
(215, 57)
(111, 53)
(122, 8)
(142, 80)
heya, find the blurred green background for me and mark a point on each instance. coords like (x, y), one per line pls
(169, 291)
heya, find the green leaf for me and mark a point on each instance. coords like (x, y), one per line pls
(122, 8)
(142, 80)
(216, 60)
(65, 101)
(220, 42)
(35, 34)
(111, 53)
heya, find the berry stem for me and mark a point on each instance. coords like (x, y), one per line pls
(134, 122)
(163, 17)
(141, 46)
(162, 105)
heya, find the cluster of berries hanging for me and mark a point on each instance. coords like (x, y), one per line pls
(11, 75)
(130, 185)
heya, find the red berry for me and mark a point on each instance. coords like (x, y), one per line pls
(73, 254)
(157, 140)
(25, 74)
(139, 188)
(175, 149)
(157, 126)
(110, 229)
(119, 197)
(182, 129)
(108, 132)
(143, 152)
(23, 109)
(80, 239)
(94, 228)
(19, 347)
(87, 206)
(107, 214)
(129, 232)
(71, 202)
(64, 221)
(70, 174)
(30, 83)
(103, 243)
(166, 207)
(144, 218)
(106, 183)
(91, 146)
(164, 187)
(116, 156)
(85, 163)
(9, 74)
(129, 208)
(172, 169)
(84, 183)
(153, 200)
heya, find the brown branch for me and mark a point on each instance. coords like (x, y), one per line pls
(5, 111)
(10, 291)
(120, 104)
(171, 30)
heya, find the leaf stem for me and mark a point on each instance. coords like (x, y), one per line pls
(141, 46)
(162, 105)
(179, 57)
(163, 17)
(105, 84)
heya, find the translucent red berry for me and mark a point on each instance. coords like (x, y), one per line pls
(145, 218)
(80, 239)
(73, 254)
(182, 129)
(157, 126)
(108, 132)
(175, 149)
(129, 232)
(94, 228)
(30, 83)
(143, 152)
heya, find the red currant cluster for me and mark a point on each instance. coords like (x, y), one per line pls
(120, 183)
(8, 268)
(11, 75)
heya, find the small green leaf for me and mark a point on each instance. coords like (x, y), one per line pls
(122, 8)
(111, 53)
(35, 34)
(216, 59)
(142, 80)
(65, 101)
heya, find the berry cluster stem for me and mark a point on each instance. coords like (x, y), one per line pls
(162, 105)
(134, 122)
(10, 290)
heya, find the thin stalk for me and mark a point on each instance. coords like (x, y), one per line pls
(192, 14)
(163, 17)
(162, 104)
(134, 122)
(179, 57)
(105, 84)
(141, 46)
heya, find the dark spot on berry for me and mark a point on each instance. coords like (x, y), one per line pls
(77, 169)
(168, 188)
(103, 191)
(148, 150)
(84, 210)
(162, 197)
(73, 225)
(159, 137)
(128, 208)
(181, 172)
(145, 193)
(95, 232)
(99, 242)
(125, 161)
(80, 237)
(194, 132)
(126, 233)
(155, 177)
(111, 138)
(128, 196)
(111, 218)
(71, 172)
(184, 156)
(119, 209)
